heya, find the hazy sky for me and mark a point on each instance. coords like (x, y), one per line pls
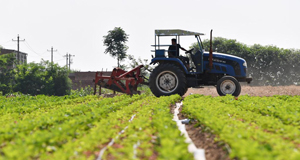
(78, 26)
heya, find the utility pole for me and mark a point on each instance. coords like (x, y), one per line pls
(69, 60)
(18, 41)
(52, 53)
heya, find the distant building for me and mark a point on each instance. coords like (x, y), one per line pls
(22, 56)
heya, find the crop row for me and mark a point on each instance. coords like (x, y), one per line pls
(253, 127)
(140, 126)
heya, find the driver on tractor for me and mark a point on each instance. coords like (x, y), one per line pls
(173, 52)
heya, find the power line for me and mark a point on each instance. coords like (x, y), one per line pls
(29, 47)
(59, 53)
(6, 42)
(52, 53)
(60, 59)
(8, 45)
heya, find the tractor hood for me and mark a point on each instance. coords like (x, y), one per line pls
(225, 63)
(223, 58)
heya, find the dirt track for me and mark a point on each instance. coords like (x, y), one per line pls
(251, 91)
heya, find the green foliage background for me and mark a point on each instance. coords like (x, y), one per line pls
(42, 78)
(33, 78)
(267, 65)
(6, 76)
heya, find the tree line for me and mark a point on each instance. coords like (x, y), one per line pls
(50, 79)
(267, 65)
(33, 78)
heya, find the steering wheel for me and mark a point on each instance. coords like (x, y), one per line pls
(189, 51)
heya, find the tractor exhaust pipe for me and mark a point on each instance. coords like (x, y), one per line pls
(210, 51)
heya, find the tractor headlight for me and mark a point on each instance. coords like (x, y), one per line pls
(245, 64)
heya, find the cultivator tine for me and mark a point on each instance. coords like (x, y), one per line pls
(120, 80)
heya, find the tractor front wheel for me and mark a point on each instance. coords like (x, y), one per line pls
(167, 79)
(228, 85)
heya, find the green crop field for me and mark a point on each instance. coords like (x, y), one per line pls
(253, 127)
(141, 126)
(42, 127)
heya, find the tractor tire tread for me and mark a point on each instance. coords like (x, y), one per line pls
(182, 82)
(238, 86)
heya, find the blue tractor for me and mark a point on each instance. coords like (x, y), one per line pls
(175, 74)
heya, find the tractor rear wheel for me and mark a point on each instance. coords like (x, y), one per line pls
(228, 85)
(167, 79)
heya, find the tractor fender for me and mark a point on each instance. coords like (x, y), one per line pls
(175, 61)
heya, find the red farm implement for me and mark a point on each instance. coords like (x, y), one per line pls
(120, 80)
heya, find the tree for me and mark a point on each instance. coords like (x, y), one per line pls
(6, 76)
(115, 42)
(145, 71)
(42, 78)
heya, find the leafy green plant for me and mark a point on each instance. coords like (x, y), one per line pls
(78, 127)
(83, 91)
(253, 127)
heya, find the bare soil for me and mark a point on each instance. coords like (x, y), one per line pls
(213, 150)
(203, 140)
(249, 90)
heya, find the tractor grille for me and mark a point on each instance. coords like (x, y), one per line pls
(237, 68)
(224, 69)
